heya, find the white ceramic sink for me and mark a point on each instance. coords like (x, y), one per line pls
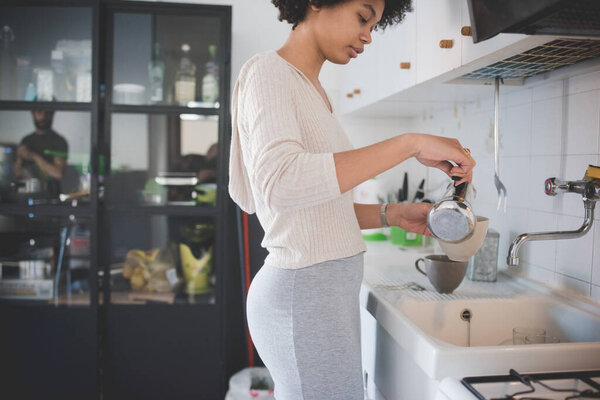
(492, 320)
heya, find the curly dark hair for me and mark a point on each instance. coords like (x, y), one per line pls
(294, 11)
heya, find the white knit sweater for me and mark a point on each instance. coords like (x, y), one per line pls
(281, 165)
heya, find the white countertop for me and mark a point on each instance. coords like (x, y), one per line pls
(388, 268)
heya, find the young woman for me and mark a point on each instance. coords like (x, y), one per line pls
(293, 165)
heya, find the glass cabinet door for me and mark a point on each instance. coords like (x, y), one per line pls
(163, 160)
(166, 60)
(45, 259)
(46, 54)
(44, 157)
(161, 259)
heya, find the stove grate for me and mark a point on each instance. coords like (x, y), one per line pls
(542, 386)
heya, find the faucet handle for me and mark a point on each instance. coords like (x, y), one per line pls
(588, 189)
(553, 186)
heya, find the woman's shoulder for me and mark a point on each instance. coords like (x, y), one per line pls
(267, 64)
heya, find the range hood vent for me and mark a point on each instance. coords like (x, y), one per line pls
(552, 55)
(534, 17)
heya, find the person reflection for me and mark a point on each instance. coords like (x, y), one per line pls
(42, 154)
(204, 166)
(207, 173)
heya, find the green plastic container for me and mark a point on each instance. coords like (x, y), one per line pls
(401, 237)
(374, 237)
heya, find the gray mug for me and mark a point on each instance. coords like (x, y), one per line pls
(444, 274)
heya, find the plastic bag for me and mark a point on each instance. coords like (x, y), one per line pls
(251, 383)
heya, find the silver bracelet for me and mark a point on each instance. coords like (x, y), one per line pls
(384, 222)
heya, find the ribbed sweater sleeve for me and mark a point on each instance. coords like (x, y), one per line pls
(287, 175)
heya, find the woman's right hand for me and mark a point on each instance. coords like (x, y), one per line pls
(438, 152)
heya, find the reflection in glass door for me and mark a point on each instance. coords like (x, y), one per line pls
(163, 159)
(46, 54)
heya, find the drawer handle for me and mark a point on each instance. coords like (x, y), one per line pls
(466, 31)
(404, 65)
(356, 91)
(446, 43)
(349, 95)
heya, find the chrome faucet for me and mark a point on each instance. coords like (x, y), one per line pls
(590, 193)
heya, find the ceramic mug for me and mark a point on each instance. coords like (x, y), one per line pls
(444, 274)
(466, 249)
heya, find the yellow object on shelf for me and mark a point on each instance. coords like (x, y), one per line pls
(195, 271)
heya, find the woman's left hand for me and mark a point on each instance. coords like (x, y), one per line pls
(411, 217)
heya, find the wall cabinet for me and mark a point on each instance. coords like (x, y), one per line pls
(438, 37)
(397, 57)
(358, 85)
(431, 45)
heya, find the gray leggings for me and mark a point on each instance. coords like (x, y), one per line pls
(305, 324)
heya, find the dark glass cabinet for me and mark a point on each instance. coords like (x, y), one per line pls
(119, 271)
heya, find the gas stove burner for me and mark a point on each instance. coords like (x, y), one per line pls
(542, 386)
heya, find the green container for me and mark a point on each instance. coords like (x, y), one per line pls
(401, 237)
(374, 237)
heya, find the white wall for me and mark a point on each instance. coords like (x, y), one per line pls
(551, 129)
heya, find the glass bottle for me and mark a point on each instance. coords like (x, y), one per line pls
(7, 63)
(210, 82)
(58, 64)
(156, 75)
(185, 78)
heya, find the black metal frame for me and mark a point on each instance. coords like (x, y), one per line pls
(101, 111)
(68, 312)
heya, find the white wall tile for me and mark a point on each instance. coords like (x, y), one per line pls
(583, 123)
(596, 254)
(483, 181)
(574, 256)
(548, 91)
(530, 271)
(475, 134)
(515, 176)
(584, 83)
(573, 285)
(516, 131)
(540, 253)
(516, 98)
(542, 168)
(547, 127)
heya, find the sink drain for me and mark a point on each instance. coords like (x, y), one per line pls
(466, 315)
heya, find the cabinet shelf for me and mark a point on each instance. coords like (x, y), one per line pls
(128, 299)
(44, 106)
(46, 210)
(160, 109)
(190, 211)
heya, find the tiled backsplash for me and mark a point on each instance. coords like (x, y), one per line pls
(548, 129)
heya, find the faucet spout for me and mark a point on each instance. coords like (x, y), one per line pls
(513, 251)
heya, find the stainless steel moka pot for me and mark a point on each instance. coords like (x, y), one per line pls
(452, 219)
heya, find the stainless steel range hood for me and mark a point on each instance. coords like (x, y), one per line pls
(534, 17)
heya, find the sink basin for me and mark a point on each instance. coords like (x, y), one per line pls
(491, 320)
(411, 342)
